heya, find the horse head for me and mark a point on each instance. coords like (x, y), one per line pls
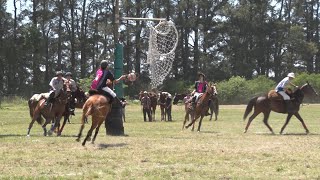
(308, 90)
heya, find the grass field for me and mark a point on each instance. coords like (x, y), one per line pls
(161, 150)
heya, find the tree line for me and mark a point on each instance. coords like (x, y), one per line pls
(221, 38)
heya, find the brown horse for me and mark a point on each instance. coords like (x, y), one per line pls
(81, 98)
(264, 104)
(214, 104)
(162, 104)
(98, 107)
(52, 112)
(201, 107)
(154, 101)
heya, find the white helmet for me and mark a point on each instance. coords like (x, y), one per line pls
(291, 75)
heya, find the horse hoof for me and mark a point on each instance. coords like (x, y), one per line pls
(78, 139)
(49, 133)
(245, 131)
(307, 132)
(28, 135)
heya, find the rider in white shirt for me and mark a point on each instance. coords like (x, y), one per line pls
(282, 87)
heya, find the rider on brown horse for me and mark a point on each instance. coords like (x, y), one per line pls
(281, 89)
(200, 87)
(56, 85)
(105, 80)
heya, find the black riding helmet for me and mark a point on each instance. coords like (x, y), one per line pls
(59, 73)
(104, 64)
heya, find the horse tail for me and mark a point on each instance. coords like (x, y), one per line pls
(249, 108)
(87, 110)
(30, 107)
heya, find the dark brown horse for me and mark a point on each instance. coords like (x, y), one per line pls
(81, 98)
(154, 101)
(201, 107)
(52, 112)
(162, 104)
(98, 107)
(265, 104)
(178, 97)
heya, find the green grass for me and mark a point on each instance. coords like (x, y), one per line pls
(161, 150)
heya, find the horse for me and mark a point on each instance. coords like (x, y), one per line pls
(52, 112)
(201, 107)
(154, 101)
(81, 98)
(178, 97)
(264, 104)
(98, 107)
(162, 104)
(214, 105)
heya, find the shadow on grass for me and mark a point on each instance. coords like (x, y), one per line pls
(286, 134)
(33, 135)
(105, 146)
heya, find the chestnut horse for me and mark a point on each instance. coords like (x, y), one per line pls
(214, 105)
(98, 107)
(264, 104)
(201, 107)
(154, 101)
(52, 112)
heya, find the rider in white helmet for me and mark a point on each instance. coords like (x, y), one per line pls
(282, 87)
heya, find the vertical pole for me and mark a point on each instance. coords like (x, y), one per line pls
(114, 124)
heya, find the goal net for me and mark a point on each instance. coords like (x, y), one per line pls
(163, 40)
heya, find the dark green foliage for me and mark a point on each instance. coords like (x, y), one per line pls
(223, 39)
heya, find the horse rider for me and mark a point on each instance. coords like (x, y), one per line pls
(104, 81)
(73, 88)
(200, 87)
(56, 85)
(282, 87)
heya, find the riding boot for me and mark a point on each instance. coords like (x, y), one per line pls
(289, 106)
(50, 99)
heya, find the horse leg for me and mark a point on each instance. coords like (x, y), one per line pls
(44, 127)
(30, 126)
(211, 111)
(216, 111)
(265, 120)
(93, 126)
(97, 130)
(286, 123)
(200, 122)
(302, 122)
(250, 120)
(186, 118)
(83, 121)
(65, 118)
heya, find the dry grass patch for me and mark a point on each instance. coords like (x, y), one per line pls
(161, 150)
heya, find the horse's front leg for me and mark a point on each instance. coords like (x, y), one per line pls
(200, 122)
(302, 122)
(286, 123)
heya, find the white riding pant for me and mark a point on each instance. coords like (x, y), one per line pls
(284, 95)
(56, 92)
(197, 95)
(108, 90)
